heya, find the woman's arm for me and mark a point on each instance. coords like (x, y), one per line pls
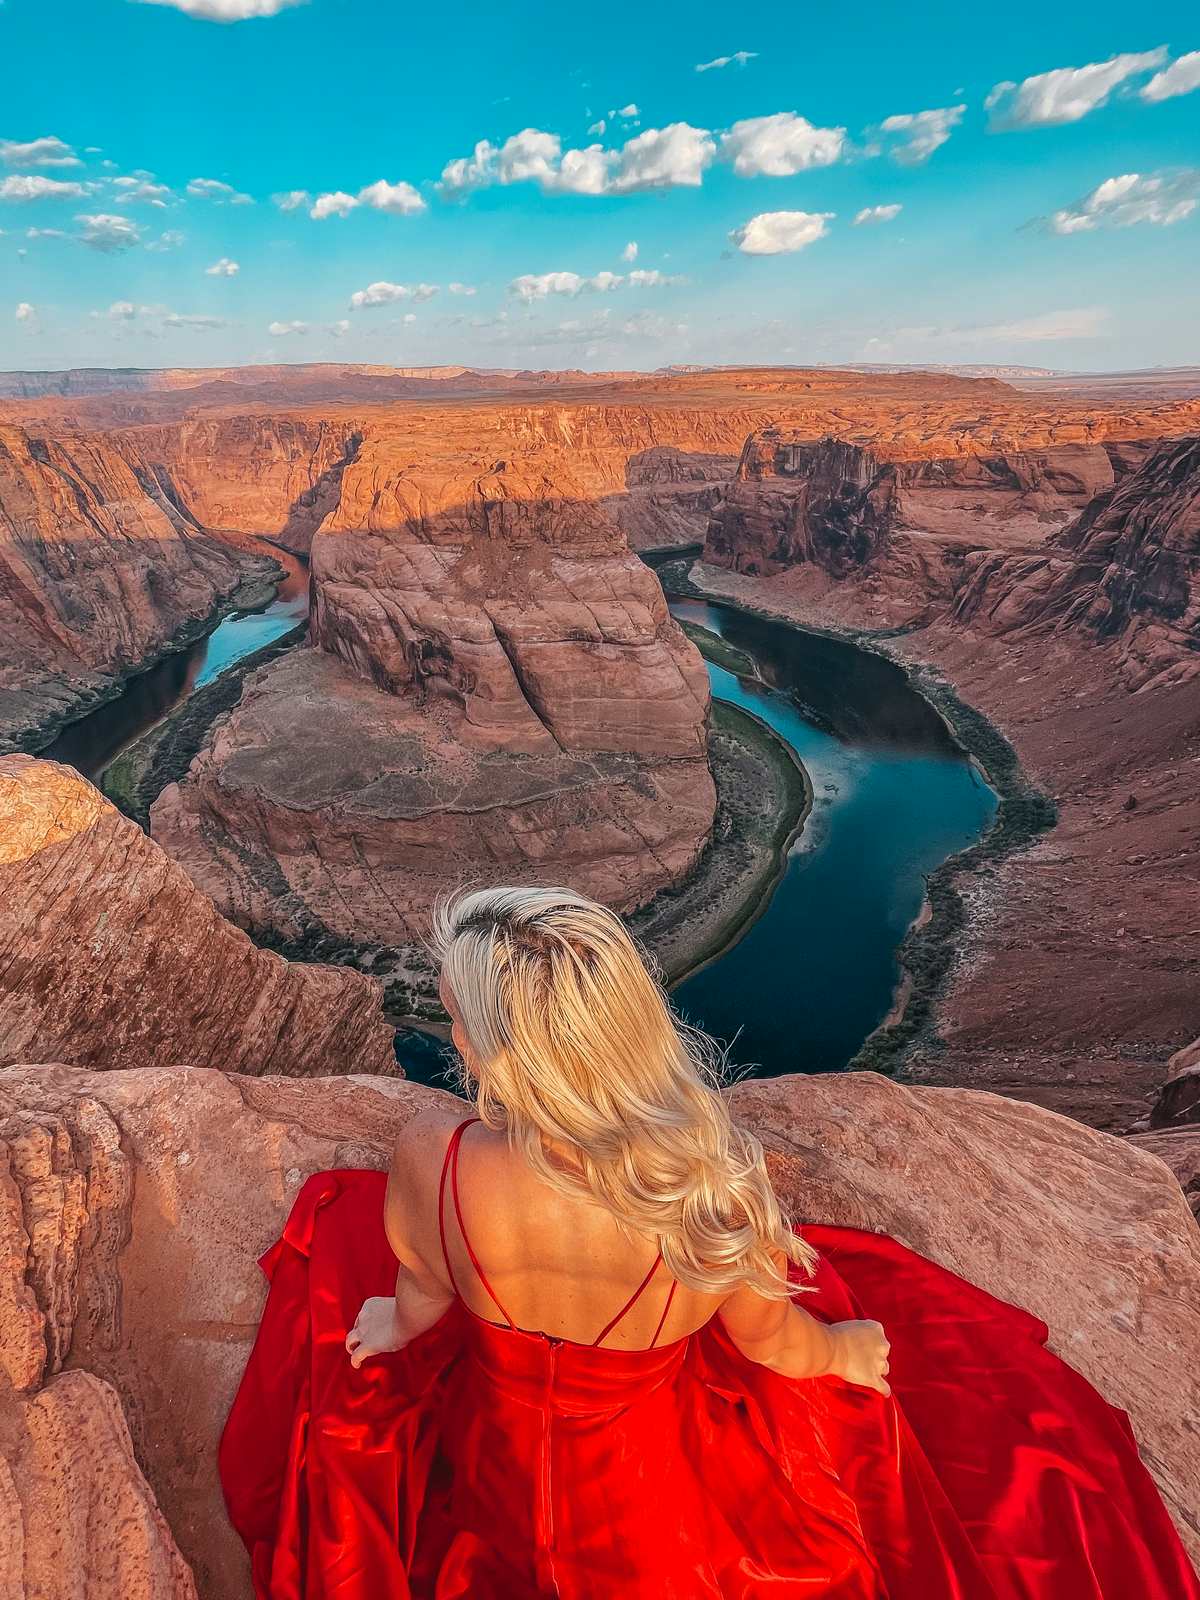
(779, 1335)
(389, 1322)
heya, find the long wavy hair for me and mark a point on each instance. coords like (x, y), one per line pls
(571, 1039)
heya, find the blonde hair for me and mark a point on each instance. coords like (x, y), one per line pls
(572, 1039)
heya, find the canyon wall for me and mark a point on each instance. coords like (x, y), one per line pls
(108, 952)
(99, 572)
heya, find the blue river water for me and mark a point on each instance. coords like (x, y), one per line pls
(92, 742)
(894, 796)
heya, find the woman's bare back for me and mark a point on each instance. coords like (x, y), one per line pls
(558, 1264)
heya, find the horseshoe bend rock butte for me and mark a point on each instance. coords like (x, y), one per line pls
(494, 690)
(108, 951)
(136, 1203)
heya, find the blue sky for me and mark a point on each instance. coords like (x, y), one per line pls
(184, 184)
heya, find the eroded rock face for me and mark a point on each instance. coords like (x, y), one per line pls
(99, 571)
(496, 691)
(156, 1294)
(94, 919)
(1125, 572)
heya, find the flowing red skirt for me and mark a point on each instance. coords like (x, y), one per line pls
(501, 1465)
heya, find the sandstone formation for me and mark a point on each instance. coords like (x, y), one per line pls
(495, 690)
(1178, 1101)
(109, 953)
(99, 572)
(1126, 571)
(151, 1194)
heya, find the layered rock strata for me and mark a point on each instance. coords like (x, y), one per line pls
(495, 691)
(99, 572)
(109, 952)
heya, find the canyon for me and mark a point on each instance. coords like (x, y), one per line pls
(492, 685)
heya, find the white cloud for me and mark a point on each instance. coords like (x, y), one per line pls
(109, 234)
(384, 293)
(226, 10)
(530, 286)
(598, 127)
(281, 330)
(122, 311)
(36, 188)
(176, 319)
(873, 214)
(214, 189)
(142, 191)
(26, 312)
(291, 199)
(409, 316)
(460, 288)
(1087, 322)
(46, 233)
(45, 152)
(924, 132)
(627, 111)
(1161, 198)
(336, 203)
(401, 199)
(339, 329)
(224, 268)
(1181, 77)
(659, 158)
(774, 233)
(171, 240)
(739, 56)
(630, 251)
(1067, 93)
(779, 146)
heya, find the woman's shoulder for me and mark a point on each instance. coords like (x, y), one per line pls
(420, 1145)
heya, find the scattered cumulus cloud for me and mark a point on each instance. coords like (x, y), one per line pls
(291, 199)
(1067, 93)
(539, 286)
(398, 199)
(873, 214)
(384, 293)
(626, 112)
(26, 312)
(224, 268)
(781, 145)
(460, 288)
(659, 158)
(283, 330)
(1161, 198)
(32, 187)
(226, 10)
(142, 191)
(630, 251)
(738, 58)
(45, 152)
(222, 193)
(774, 233)
(923, 132)
(170, 240)
(109, 234)
(1181, 77)
(154, 320)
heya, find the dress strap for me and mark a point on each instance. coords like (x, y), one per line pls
(451, 1163)
(666, 1311)
(629, 1304)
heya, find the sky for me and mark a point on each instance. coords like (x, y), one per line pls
(220, 182)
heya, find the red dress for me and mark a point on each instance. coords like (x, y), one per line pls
(489, 1462)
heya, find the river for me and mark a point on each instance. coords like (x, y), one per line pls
(893, 797)
(92, 742)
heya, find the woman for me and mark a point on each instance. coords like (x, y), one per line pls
(593, 1379)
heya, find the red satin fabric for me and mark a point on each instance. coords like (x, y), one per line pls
(487, 1462)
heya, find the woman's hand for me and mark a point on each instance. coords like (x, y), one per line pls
(376, 1331)
(861, 1354)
